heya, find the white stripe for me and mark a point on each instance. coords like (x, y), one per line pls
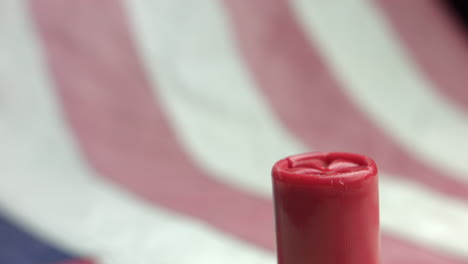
(46, 185)
(196, 73)
(228, 128)
(380, 77)
(420, 215)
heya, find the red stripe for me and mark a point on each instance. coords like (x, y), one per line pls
(310, 100)
(397, 252)
(124, 134)
(436, 42)
(122, 130)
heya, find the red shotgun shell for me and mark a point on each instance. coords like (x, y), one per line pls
(327, 209)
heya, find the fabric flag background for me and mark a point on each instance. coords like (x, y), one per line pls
(144, 131)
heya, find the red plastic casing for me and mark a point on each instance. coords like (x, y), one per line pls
(327, 209)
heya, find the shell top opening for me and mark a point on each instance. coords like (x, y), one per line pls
(324, 167)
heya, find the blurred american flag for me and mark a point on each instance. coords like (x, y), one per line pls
(144, 131)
